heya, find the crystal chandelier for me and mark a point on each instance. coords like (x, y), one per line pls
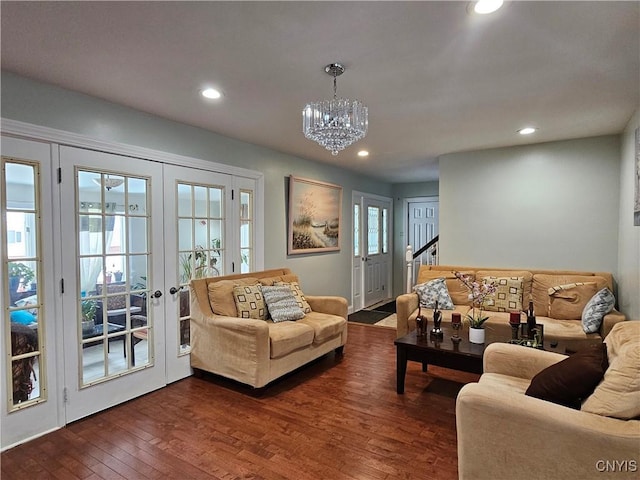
(335, 124)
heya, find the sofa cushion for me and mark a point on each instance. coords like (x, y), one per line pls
(297, 293)
(434, 291)
(457, 291)
(325, 326)
(286, 337)
(618, 395)
(543, 282)
(270, 281)
(250, 302)
(281, 303)
(596, 308)
(221, 295)
(572, 379)
(508, 296)
(567, 302)
(527, 279)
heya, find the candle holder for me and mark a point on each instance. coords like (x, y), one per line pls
(514, 321)
(456, 323)
(456, 338)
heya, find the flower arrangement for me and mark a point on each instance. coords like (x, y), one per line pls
(477, 294)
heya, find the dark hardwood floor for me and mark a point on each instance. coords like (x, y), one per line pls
(338, 418)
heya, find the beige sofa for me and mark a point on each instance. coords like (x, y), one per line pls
(503, 433)
(256, 352)
(535, 286)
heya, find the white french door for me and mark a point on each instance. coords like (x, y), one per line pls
(113, 274)
(198, 236)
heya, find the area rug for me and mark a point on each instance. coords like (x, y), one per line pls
(389, 322)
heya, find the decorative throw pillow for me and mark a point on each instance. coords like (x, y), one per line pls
(457, 291)
(618, 395)
(221, 295)
(573, 379)
(250, 302)
(432, 292)
(566, 302)
(281, 303)
(508, 296)
(595, 310)
(297, 292)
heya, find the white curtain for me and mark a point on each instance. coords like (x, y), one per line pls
(90, 238)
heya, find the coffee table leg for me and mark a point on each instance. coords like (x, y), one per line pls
(424, 366)
(401, 368)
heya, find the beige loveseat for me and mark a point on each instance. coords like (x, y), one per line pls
(504, 434)
(256, 352)
(536, 283)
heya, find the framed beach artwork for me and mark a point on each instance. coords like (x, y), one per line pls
(314, 216)
(636, 201)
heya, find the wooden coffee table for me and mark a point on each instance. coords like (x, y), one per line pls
(443, 352)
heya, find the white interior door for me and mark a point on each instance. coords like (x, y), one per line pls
(113, 275)
(376, 249)
(199, 235)
(423, 218)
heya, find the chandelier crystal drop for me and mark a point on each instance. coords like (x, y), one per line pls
(335, 124)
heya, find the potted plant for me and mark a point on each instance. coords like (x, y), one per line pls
(478, 292)
(88, 308)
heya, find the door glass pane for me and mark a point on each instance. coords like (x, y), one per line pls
(200, 244)
(246, 231)
(385, 231)
(24, 316)
(113, 269)
(356, 230)
(373, 234)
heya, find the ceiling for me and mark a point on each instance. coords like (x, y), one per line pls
(436, 78)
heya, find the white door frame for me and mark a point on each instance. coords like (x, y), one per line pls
(357, 263)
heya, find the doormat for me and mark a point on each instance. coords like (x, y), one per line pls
(389, 307)
(367, 316)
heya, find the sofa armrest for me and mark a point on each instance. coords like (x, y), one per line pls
(406, 304)
(517, 361)
(609, 320)
(535, 439)
(329, 304)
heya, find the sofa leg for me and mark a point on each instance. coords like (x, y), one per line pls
(424, 366)
(340, 350)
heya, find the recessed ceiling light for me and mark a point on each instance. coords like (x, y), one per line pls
(363, 153)
(527, 130)
(211, 93)
(487, 6)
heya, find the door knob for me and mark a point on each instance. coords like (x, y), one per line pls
(157, 294)
(174, 290)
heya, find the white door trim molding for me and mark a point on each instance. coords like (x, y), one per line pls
(62, 137)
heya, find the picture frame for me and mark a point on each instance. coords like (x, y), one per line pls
(315, 221)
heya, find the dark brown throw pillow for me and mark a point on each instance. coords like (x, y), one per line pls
(573, 379)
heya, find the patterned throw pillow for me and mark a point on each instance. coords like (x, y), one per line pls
(250, 302)
(297, 292)
(567, 302)
(508, 296)
(432, 291)
(595, 310)
(281, 303)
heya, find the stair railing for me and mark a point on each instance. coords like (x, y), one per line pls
(413, 259)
